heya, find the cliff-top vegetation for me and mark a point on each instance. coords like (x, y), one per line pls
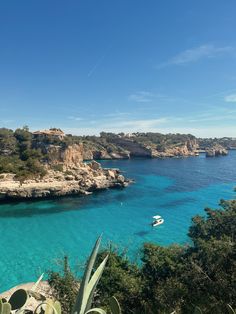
(26, 153)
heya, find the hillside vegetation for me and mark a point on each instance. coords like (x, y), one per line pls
(25, 155)
(28, 155)
(226, 142)
(17, 154)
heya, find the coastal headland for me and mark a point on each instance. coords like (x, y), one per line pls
(50, 163)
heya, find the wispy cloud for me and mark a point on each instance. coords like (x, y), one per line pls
(230, 98)
(142, 96)
(143, 124)
(6, 121)
(205, 123)
(116, 114)
(75, 118)
(162, 125)
(196, 54)
(120, 125)
(146, 96)
(223, 114)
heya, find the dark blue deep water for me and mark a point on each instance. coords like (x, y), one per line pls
(34, 235)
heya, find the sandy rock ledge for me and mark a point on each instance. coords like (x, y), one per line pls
(82, 178)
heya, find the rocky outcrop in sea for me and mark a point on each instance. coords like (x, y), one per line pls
(216, 150)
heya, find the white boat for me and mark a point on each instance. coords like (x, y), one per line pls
(157, 221)
(156, 217)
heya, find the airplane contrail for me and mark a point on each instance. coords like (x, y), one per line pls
(97, 64)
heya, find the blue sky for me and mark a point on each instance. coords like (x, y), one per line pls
(129, 65)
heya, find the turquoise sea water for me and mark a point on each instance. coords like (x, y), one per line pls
(34, 235)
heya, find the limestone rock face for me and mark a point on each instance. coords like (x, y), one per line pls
(189, 148)
(125, 148)
(216, 150)
(132, 148)
(94, 165)
(69, 157)
(83, 179)
(120, 155)
(102, 154)
(87, 154)
(73, 155)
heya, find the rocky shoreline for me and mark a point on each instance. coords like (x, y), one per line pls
(78, 180)
(49, 163)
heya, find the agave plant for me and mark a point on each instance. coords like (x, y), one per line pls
(230, 309)
(197, 310)
(48, 307)
(18, 301)
(88, 285)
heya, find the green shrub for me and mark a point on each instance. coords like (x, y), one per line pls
(179, 277)
(58, 167)
(65, 286)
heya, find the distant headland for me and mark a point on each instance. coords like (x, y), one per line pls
(49, 163)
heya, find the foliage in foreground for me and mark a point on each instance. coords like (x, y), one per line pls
(177, 277)
(19, 300)
(65, 286)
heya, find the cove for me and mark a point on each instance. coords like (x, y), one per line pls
(35, 235)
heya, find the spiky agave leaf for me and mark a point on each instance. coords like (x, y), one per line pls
(48, 307)
(230, 309)
(57, 306)
(115, 306)
(86, 277)
(197, 310)
(96, 310)
(35, 286)
(93, 284)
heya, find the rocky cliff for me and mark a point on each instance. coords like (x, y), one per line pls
(121, 147)
(133, 148)
(188, 148)
(67, 156)
(226, 142)
(79, 178)
(47, 165)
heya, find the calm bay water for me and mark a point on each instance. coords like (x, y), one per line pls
(34, 235)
